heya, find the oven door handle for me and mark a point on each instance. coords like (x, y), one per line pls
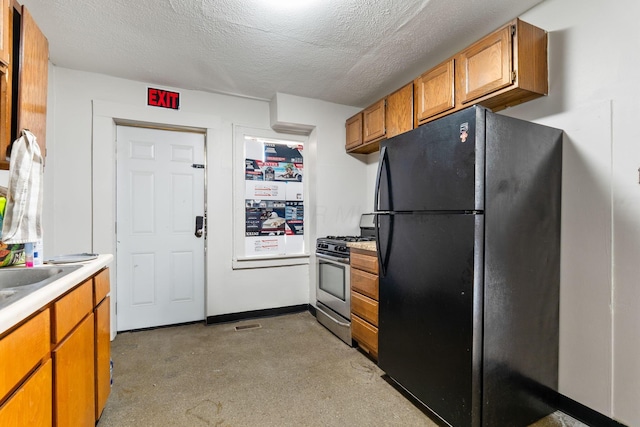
(334, 259)
(333, 318)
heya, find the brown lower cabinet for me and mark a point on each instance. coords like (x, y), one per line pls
(56, 364)
(103, 355)
(364, 300)
(30, 405)
(73, 361)
(25, 379)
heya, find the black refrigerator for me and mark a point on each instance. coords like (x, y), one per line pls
(468, 239)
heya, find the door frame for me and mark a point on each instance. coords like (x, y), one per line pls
(105, 117)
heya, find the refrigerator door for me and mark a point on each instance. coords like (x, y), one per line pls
(436, 167)
(430, 320)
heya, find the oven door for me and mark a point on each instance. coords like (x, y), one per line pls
(334, 285)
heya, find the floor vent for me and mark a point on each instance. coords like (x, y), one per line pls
(250, 326)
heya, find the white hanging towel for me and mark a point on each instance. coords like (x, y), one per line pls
(23, 213)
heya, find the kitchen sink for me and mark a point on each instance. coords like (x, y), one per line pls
(18, 282)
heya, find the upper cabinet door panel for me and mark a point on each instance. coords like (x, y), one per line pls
(32, 83)
(400, 111)
(374, 121)
(486, 66)
(434, 91)
(354, 131)
(5, 29)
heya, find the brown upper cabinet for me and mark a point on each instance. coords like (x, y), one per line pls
(354, 131)
(504, 68)
(399, 116)
(32, 80)
(5, 26)
(486, 66)
(373, 122)
(434, 91)
(23, 102)
(386, 118)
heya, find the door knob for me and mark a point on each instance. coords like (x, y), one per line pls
(199, 226)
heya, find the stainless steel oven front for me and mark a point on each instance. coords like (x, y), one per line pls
(333, 293)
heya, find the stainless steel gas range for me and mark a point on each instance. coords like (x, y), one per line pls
(333, 286)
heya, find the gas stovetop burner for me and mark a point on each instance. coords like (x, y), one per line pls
(336, 246)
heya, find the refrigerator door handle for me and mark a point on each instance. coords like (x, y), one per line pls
(381, 259)
(381, 162)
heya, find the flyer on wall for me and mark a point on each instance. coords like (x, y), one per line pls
(267, 161)
(274, 198)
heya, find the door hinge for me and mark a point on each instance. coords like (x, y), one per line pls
(513, 30)
(197, 166)
(513, 76)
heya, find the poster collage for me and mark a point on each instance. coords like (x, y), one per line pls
(274, 201)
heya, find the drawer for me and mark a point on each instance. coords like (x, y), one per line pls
(101, 286)
(364, 262)
(22, 349)
(69, 310)
(365, 334)
(364, 307)
(365, 283)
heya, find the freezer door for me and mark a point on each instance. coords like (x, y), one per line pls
(438, 166)
(429, 318)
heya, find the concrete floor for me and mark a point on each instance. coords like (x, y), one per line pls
(289, 371)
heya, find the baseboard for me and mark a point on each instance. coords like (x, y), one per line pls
(253, 314)
(585, 414)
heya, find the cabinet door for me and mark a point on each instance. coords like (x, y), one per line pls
(74, 388)
(32, 80)
(434, 91)
(354, 131)
(5, 29)
(486, 66)
(22, 350)
(373, 119)
(5, 114)
(103, 355)
(400, 111)
(30, 405)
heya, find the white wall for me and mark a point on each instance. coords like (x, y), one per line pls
(82, 108)
(594, 50)
(594, 96)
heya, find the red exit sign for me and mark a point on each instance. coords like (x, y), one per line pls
(163, 98)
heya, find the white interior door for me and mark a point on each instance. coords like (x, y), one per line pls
(160, 260)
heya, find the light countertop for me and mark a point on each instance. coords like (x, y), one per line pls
(366, 246)
(24, 307)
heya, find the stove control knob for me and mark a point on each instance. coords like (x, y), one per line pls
(342, 249)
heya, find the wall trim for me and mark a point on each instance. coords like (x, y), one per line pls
(253, 314)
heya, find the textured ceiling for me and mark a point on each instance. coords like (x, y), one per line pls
(345, 51)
